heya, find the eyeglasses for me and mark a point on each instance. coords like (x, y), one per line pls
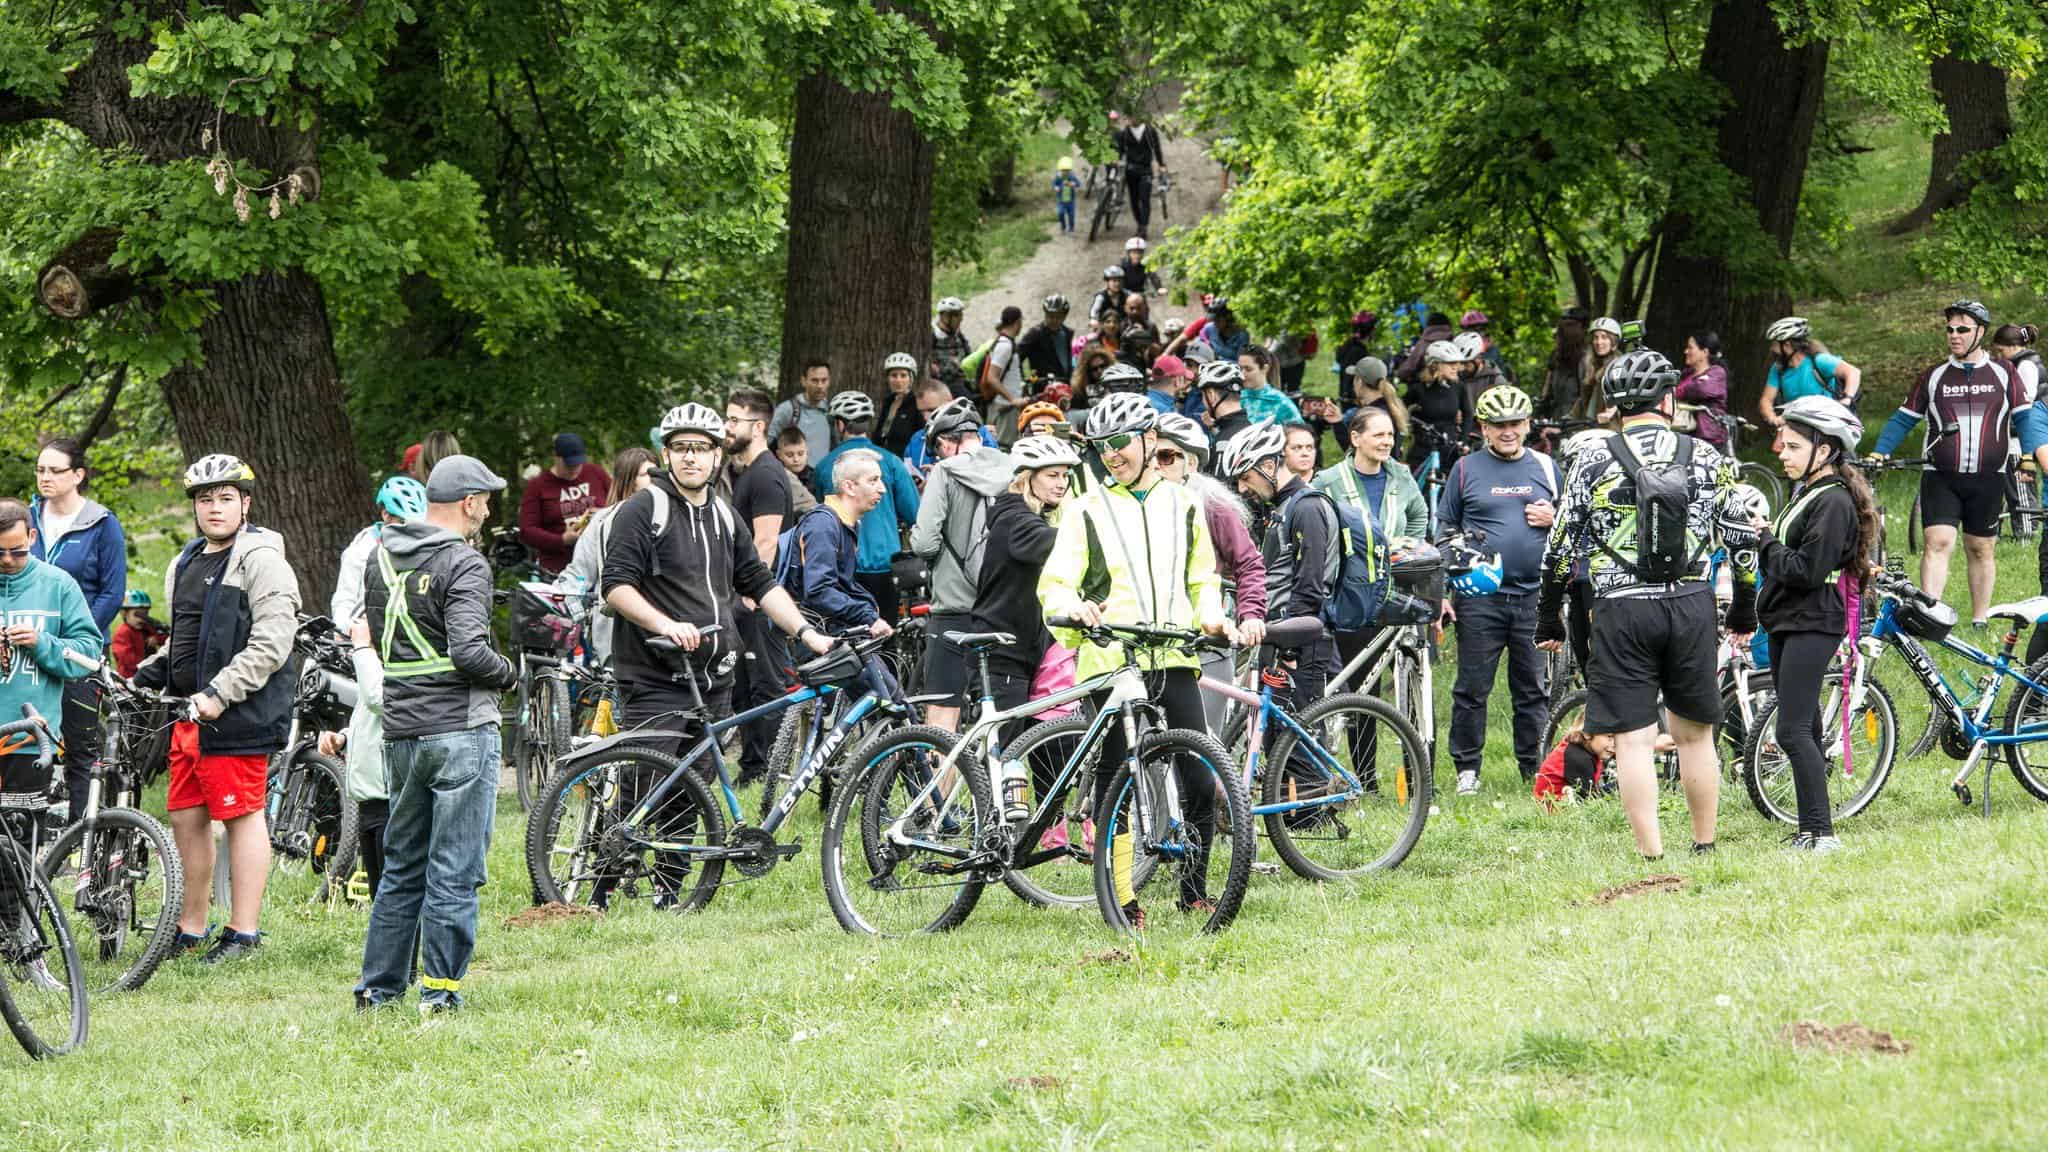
(692, 448)
(1166, 456)
(17, 553)
(1953, 330)
(1116, 443)
(42, 471)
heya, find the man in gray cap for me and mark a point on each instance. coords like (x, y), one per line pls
(428, 594)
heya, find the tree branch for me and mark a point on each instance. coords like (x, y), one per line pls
(18, 109)
(105, 411)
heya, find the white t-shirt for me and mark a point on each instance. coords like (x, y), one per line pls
(55, 525)
(1003, 355)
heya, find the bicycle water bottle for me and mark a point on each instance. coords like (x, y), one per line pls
(1016, 792)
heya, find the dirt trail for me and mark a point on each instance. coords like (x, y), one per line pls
(1071, 265)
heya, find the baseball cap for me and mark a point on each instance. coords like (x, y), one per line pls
(1172, 367)
(458, 476)
(1370, 369)
(569, 446)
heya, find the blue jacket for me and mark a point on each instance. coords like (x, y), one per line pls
(831, 593)
(880, 536)
(46, 596)
(95, 553)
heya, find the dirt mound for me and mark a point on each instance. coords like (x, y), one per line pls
(551, 914)
(1643, 887)
(1106, 956)
(1040, 1081)
(1807, 1035)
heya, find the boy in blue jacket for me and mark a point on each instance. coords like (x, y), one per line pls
(43, 615)
(1066, 189)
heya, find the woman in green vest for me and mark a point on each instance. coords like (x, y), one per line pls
(1371, 480)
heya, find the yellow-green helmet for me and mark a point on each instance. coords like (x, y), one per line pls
(1503, 404)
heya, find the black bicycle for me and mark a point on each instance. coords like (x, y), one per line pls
(42, 983)
(1109, 202)
(312, 820)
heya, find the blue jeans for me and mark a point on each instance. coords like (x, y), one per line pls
(1067, 216)
(444, 795)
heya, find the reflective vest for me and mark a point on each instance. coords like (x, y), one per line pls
(426, 661)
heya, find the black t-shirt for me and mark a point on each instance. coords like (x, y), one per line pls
(762, 489)
(188, 604)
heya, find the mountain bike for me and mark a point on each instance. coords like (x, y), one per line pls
(312, 820)
(42, 982)
(1441, 450)
(118, 869)
(1109, 202)
(915, 834)
(544, 634)
(1396, 662)
(619, 819)
(1161, 185)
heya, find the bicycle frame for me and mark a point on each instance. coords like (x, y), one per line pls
(1263, 701)
(1975, 727)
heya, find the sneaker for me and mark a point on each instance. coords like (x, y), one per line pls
(232, 945)
(187, 942)
(1825, 844)
(438, 1007)
(1800, 841)
(1468, 782)
(1134, 912)
(1699, 849)
(39, 977)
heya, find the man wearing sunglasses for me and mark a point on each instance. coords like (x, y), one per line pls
(43, 615)
(1971, 400)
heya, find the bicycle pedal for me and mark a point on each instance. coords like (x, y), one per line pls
(1962, 792)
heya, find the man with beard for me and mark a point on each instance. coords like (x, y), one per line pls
(761, 497)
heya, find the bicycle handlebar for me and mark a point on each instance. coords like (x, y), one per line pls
(121, 686)
(33, 724)
(1105, 634)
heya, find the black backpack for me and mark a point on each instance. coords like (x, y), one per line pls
(1663, 503)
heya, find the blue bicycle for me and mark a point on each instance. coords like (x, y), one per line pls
(621, 819)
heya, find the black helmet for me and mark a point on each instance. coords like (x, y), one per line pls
(1970, 308)
(1637, 379)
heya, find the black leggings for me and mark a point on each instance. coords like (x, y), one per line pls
(1798, 662)
(1175, 691)
(371, 816)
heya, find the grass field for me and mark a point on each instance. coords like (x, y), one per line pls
(1488, 994)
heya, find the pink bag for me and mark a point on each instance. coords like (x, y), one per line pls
(1055, 674)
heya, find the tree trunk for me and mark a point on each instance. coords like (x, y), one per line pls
(1979, 118)
(270, 393)
(860, 236)
(1766, 130)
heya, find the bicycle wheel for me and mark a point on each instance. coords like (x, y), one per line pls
(786, 755)
(880, 887)
(584, 847)
(312, 816)
(545, 729)
(2029, 762)
(1057, 869)
(1104, 217)
(123, 902)
(1913, 525)
(1372, 819)
(1202, 872)
(1566, 712)
(1873, 732)
(42, 983)
(1735, 729)
(341, 864)
(1764, 480)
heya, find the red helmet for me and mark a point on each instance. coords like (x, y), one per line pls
(1473, 319)
(1365, 319)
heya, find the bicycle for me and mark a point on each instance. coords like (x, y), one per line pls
(44, 1006)
(312, 820)
(1161, 185)
(596, 835)
(1442, 450)
(118, 867)
(543, 630)
(1877, 469)
(916, 827)
(1109, 202)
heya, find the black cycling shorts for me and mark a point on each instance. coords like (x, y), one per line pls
(945, 664)
(1646, 649)
(1973, 499)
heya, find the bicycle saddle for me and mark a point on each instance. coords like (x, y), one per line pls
(977, 641)
(1295, 632)
(2032, 610)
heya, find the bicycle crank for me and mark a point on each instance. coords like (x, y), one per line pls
(753, 852)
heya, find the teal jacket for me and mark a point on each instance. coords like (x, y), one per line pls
(1402, 512)
(45, 596)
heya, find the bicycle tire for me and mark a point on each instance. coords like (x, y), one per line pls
(1290, 833)
(1733, 732)
(24, 1016)
(313, 814)
(785, 756)
(1566, 710)
(1234, 823)
(341, 865)
(855, 832)
(1763, 480)
(1103, 217)
(1913, 526)
(115, 922)
(2034, 780)
(545, 730)
(1032, 883)
(592, 878)
(1767, 774)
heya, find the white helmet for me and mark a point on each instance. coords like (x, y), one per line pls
(1444, 352)
(1830, 418)
(1472, 344)
(951, 304)
(1790, 328)
(1579, 441)
(1113, 272)
(1135, 244)
(1743, 505)
(1224, 374)
(1031, 453)
(1607, 324)
(1187, 433)
(1242, 452)
(1120, 413)
(1121, 377)
(903, 360)
(691, 418)
(851, 406)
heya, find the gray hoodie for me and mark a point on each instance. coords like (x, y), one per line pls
(447, 586)
(952, 522)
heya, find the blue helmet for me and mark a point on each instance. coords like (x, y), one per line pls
(403, 497)
(1472, 572)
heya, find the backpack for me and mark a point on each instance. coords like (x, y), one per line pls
(1663, 503)
(987, 376)
(658, 525)
(1363, 573)
(972, 363)
(969, 558)
(789, 554)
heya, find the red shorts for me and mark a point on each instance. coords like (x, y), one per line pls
(229, 786)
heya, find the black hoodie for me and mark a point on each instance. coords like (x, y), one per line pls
(1820, 533)
(692, 574)
(1019, 540)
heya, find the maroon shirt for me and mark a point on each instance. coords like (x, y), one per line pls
(551, 502)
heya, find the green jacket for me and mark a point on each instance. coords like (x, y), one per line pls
(1401, 513)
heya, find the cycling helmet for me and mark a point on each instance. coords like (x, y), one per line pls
(1224, 374)
(1217, 305)
(403, 497)
(691, 418)
(136, 598)
(955, 417)
(1970, 308)
(1579, 441)
(1443, 352)
(216, 470)
(1121, 377)
(1504, 404)
(1607, 324)
(903, 360)
(951, 304)
(1243, 452)
(1056, 303)
(1473, 319)
(1187, 433)
(1113, 272)
(1135, 244)
(1789, 328)
(1740, 508)
(1118, 414)
(1636, 379)
(1472, 572)
(1039, 410)
(1472, 344)
(851, 406)
(1034, 452)
(1830, 420)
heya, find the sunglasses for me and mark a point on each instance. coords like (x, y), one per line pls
(1116, 443)
(17, 553)
(1961, 329)
(1167, 456)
